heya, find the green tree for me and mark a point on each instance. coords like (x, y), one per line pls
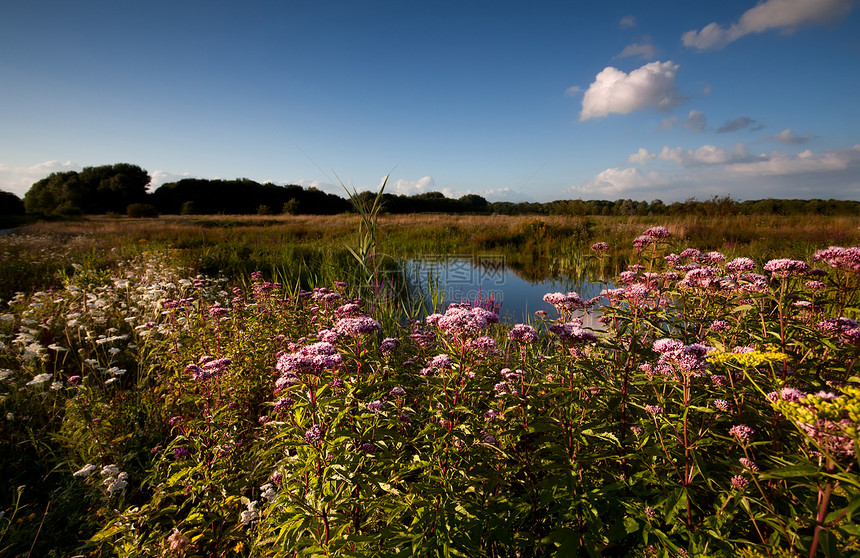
(10, 204)
(93, 190)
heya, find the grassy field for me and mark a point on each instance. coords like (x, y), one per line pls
(313, 249)
(242, 387)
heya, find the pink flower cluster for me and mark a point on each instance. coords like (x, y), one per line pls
(523, 333)
(462, 320)
(311, 359)
(845, 328)
(686, 358)
(564, 302)
(657, 233)
(358, 326)
(840, 258)
(785, 267)
(572, 331)
(208, 367)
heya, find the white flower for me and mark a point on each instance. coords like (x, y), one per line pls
(118, 483)
(40, 379)
(85, 471)
(249, 514)
(110, 470)
(268, 492)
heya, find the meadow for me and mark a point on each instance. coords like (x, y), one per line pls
(229, 386)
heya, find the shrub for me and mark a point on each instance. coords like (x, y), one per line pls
(138, 210)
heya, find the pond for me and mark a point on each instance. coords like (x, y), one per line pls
(456, 278)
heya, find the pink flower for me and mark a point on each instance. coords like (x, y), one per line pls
(739, 265)
(523, 333)
(655, 410)
(742, 433)
(641, 242)
(358, 326)
(784, 267)
(389, 345)
(314, 434)
(658, 233)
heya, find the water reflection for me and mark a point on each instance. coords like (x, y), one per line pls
(454, 278)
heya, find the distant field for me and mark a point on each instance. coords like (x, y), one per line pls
(536, 246)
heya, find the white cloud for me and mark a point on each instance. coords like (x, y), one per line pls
(617, 182)
(161, 177)
(640, 157)
(573, 90)
(613, 91)
(739, 124)
(788, 137)
(646, 50)
(668, 123)
(705, 155)
(327, 187)
(411, 187)
(696, 121)
(785, 15)
(627, 22)
(710, 170)
(19, 179)
(776, 163)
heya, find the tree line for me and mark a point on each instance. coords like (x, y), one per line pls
(124, 189)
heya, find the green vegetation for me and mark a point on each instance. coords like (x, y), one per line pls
(112, 188)
(109, 188)
(149, 411)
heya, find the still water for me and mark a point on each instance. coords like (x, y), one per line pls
(459, 278)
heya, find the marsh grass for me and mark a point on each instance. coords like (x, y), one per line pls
(537, 247)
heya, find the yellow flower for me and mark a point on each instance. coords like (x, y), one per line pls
(751, 359)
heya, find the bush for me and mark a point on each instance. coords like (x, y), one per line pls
(188, 208)
(138, 210)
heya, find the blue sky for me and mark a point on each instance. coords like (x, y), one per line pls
(513, 100)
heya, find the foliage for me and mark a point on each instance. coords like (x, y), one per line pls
(139, 210)
(147, 413)
(94, 190)
(10, 204)
(242, 196)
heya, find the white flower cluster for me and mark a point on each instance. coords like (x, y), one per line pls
(114, 479)
(250, 513)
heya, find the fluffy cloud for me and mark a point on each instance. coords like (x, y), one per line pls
(646, 50)
(573, 90)
(739, 124)
(161, 177)
(19, 179)
(613, 91)
(667, 123)
(710, 170)
(327, 187)
(616, 182)
(779, 164)
(411, 187)
(703, 156)
(785, 15)
(788, 137)
(627, 22)
(696, 121)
